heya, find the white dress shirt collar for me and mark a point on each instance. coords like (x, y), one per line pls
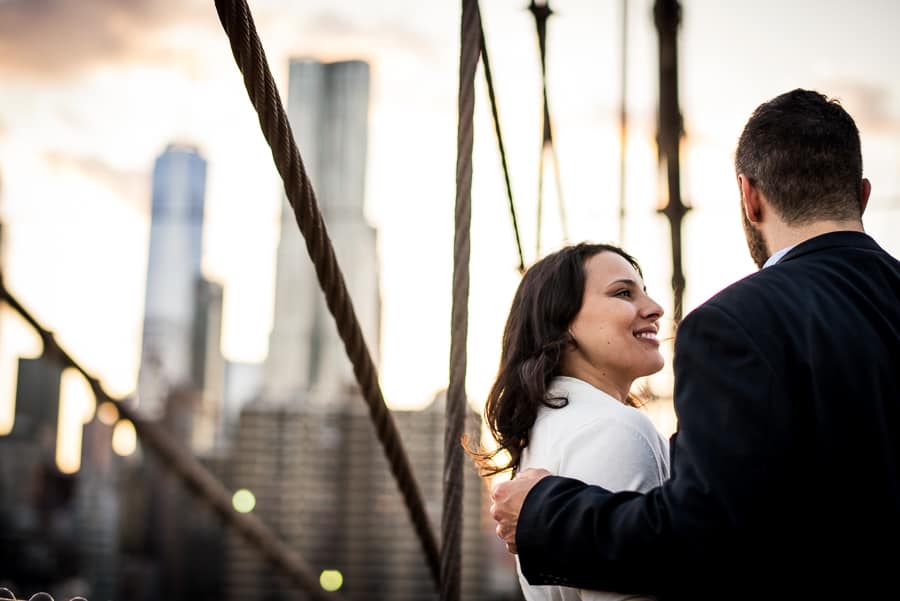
(777, 257)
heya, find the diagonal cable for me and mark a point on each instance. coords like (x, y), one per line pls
(251, 60)
(495, 112)
(191, 471)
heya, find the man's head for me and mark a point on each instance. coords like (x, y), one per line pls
(802, 152)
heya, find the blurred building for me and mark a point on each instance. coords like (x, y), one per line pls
(38, 539)
(98, 511)
(182, 311)
(328, 106)
(243, 383)
(172, 542)
(173, 268)
(208, 367)
(322, 482)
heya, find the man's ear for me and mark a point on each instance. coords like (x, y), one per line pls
(751, 199)
(864, 195)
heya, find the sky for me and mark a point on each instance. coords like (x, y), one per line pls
(93, 91)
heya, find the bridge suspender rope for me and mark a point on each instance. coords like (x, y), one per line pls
(285, 559)
(251, 60)
(541, 13)
(496, 115)
(471, 40)
(667, 16)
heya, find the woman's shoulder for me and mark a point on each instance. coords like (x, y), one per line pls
(576, 399)
(582, 406)
(595, 438)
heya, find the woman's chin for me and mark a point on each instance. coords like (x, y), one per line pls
(656, 366)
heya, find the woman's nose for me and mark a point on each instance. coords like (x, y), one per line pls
(652, 309)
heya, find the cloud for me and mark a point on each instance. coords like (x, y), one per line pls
(332, 28)
(132, 187)
(59, 37)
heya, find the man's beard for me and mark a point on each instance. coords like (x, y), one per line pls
(758, 251)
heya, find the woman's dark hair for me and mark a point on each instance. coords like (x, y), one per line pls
(536, 334)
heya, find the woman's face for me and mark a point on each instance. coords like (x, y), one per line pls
(615, 329)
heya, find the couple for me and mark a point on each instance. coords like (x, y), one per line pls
(787, 392)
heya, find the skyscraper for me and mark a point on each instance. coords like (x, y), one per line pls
(38, 548)
(173, 269)
(328, 106)
(208, 367)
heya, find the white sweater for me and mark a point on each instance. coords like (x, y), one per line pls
(598, 440)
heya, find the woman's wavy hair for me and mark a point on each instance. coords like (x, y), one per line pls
(534, 340)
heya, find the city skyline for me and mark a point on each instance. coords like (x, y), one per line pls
(76, 146)
(83, 116)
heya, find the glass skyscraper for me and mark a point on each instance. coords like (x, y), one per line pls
(173, 270)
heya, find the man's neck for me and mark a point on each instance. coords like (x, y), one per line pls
(781, 235)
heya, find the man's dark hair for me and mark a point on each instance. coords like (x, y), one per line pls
(802, 151)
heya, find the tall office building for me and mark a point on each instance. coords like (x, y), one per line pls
(208, 367)
(243, 383)
(98, 507)
(175, 293)
(328, 105)
(321, 481)
(38, 546)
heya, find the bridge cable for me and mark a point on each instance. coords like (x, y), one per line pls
(541, 13)
(251, 60)
(186, 466)
(471, 39)
(495, 112)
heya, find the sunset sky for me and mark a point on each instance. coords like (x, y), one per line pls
(92, 91)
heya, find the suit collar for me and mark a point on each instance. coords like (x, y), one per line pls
(841, 239)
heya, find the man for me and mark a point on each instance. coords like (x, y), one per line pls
(787, 392)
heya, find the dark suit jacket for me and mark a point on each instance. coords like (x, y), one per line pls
(787, 393)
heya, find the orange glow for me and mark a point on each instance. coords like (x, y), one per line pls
(124, 441)
(108, 414)
(76, 408)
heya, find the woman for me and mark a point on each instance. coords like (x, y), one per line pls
(580, 330)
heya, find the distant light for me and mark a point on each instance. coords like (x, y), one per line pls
(18, 340)
(243, 501)
(124, 439)
(331, 580)
(108, 414)
(76, 408)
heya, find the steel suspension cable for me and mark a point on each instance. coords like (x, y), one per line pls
(623, 123)
(192, 472)
(451, 517)
(251, 60)
(541, 13)
(667, 17)
(495, 112)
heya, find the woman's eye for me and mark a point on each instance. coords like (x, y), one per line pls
(626, 293)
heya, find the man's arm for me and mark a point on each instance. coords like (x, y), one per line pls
(723, 470)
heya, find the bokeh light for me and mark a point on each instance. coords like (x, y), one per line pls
(243, 501)
(107, 413)
(331, 580)
(124, 440)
